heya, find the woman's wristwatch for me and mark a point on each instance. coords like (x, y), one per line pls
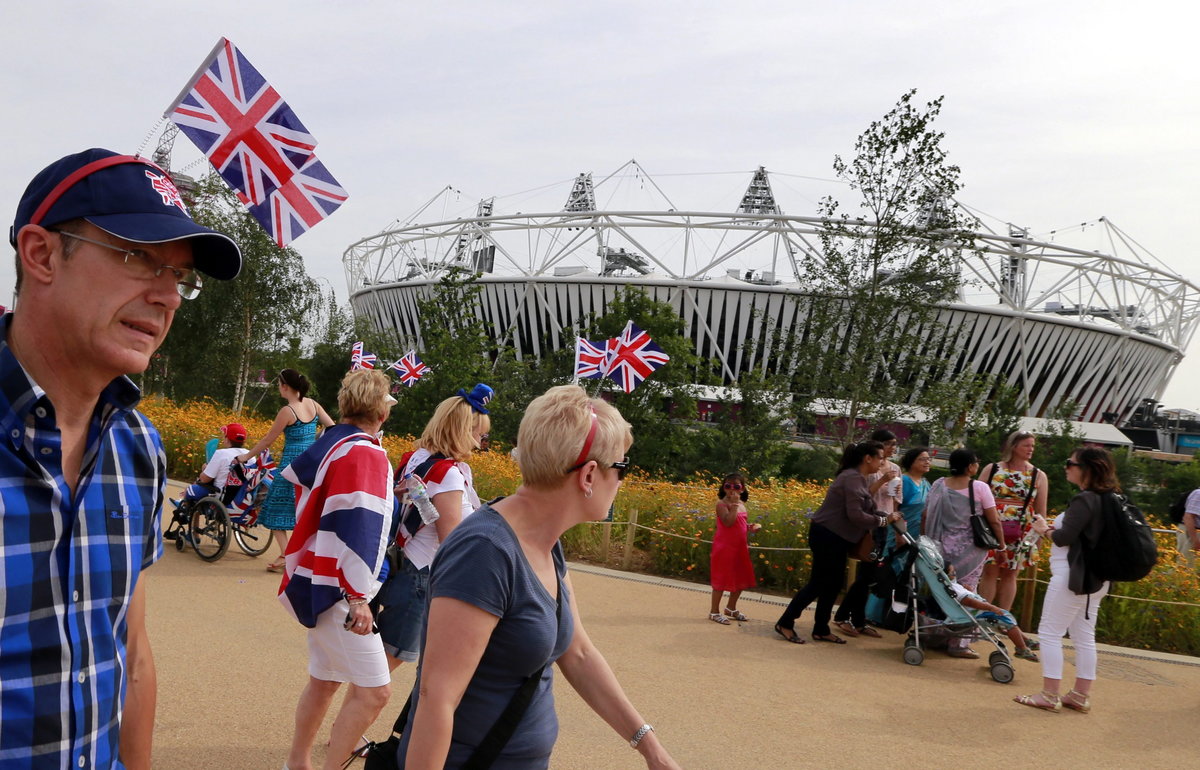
(641, 733)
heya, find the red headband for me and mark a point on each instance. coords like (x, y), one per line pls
(587, 442)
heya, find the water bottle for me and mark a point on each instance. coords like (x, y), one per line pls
(893, 487)
(419, 496)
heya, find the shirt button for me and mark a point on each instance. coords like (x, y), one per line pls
(16, 433)
(82, 761)
(46, 450)
(75, 596)
(82, 677)
(40, 411)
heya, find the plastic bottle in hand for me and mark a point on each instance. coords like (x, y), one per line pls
(419, 496)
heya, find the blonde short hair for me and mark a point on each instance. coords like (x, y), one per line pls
(555, 427)
(451, 429)
(363, 394)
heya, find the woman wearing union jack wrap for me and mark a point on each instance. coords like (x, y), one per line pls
(333, 565)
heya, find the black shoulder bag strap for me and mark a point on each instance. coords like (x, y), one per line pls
(1029, 492)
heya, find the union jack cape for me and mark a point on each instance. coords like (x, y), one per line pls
(256, 143)
(344, 507)
(632, 357)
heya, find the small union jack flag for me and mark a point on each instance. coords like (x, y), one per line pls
(300, 203)
(410, 368)
(633, 357)
(591, 359)
(360, 359)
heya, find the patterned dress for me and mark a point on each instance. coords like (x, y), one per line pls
(1009, 488)
(279, 511)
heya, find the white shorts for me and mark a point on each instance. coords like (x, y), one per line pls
(338, 655)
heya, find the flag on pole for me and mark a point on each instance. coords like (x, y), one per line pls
(256, 143)
(410, 368)
(591, 359)
(633, 357)
(360, 359)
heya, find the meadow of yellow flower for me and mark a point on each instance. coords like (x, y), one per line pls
(676, 523)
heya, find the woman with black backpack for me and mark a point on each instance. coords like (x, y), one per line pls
(1073, 597)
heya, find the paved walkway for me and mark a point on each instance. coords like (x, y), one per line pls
(231, 664)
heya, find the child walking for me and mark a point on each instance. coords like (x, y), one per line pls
(730, 568)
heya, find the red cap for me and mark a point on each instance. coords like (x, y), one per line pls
(234, 432)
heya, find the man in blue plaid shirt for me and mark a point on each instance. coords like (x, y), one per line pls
(106, 251)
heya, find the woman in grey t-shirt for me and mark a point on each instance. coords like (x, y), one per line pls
(501, 604)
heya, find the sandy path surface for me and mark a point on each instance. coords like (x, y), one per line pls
(231, 664)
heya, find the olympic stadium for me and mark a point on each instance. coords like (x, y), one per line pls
(1103, 327)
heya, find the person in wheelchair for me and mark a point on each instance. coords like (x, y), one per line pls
(215, 476)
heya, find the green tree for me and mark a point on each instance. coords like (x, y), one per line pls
(884, 270)
(233, 328)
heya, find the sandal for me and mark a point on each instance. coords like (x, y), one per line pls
(794, 638)
(846, 627)
(1026, 654)
(736, 615)
(1077, 701)
(962, 652)
(1032, 644)
(1046, 701)
(831, 638)
(276, 566)
(871, 632)
(717, 617)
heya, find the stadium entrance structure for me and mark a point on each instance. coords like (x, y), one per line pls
(1061, 323)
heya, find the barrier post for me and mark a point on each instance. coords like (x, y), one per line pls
(630, 531)
(1027, 597)
(605, 539)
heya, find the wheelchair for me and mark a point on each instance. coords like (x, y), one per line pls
(208, 524)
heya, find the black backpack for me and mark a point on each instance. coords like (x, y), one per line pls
(1125, 549)
(1179, 507)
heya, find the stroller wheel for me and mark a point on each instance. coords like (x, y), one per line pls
(179, 542)
(997, 657)
(1002, 672)
(913, 656)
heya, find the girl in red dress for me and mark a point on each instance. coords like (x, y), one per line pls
(731, 569)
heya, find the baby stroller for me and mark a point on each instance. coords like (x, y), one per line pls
(206, 524)
(924, 607)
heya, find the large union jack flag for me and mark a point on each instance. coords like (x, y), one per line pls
(591, 359)
(257, 144)
(304, 200)
(410, 368)
(249, 133)
(633, 357)
(360, 359)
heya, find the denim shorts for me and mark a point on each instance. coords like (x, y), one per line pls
(401, 621)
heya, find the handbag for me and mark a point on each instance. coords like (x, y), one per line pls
(864, 549)
(382, 755)
(981, 531)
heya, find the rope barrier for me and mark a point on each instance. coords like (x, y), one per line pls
(1131, 598)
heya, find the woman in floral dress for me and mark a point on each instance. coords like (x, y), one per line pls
(1020, 492)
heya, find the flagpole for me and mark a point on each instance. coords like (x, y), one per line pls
(196, 76)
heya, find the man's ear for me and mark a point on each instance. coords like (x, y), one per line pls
(35, 248)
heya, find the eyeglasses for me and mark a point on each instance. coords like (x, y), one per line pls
(622, 467)
(141, 265)
(1073, 464)
(733, 486)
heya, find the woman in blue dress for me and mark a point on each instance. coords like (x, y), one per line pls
(297, 421)
(915, 463)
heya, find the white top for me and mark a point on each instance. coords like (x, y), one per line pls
(421, 549)
(218, 467)
(1058, 553)
(1192, 508)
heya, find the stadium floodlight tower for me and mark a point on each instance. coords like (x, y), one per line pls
(1100, 327)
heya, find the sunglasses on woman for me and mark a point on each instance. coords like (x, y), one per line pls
(1073, 464)
(621, 468)
(734, 486)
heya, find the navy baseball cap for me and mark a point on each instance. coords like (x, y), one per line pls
(126, 196)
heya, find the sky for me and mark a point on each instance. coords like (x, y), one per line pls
(1057, 113)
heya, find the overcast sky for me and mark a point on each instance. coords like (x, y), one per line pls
(1058, 113)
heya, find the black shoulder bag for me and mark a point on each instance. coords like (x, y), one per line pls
(981, 531)
(382, 756)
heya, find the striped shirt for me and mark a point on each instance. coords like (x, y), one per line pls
(68, 567)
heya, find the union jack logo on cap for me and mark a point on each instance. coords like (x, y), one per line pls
(167, 189)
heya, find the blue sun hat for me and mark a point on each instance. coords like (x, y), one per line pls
(479, 397)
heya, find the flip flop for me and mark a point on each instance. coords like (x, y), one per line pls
(794, 638)
(846, 627)
(831, 638)
(276, 567)
(868, 631)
